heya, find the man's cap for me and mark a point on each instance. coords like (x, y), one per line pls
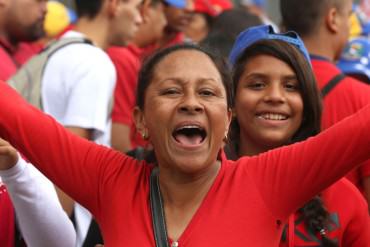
(355, 58)
(176, 3)
(264, 32)
(212, 7)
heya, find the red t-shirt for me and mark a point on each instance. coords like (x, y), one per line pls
(349, 219)
(11, 58)
(247, 205)
(127, 61)
(7, 225)
(349, 96)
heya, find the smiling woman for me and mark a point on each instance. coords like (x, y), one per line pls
(184, 111)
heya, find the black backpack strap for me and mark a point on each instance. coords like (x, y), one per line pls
(331, 84)
(156, 204)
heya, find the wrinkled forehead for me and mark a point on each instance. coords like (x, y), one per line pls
(186, 62)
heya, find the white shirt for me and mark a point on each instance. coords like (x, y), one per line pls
(77, 86)
(40, 216)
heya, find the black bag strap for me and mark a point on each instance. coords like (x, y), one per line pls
(156, 204)
(331, 84)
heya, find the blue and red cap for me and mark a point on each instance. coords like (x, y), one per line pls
(264, 32)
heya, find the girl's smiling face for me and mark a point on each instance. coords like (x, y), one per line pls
(268, 103)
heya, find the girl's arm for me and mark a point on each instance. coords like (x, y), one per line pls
(40, 216)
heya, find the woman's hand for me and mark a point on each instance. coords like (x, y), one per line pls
(8, 155)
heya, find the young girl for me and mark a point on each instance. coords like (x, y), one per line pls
(277, 103)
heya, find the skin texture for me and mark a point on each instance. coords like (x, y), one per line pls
(22, 20)
(184, 91)
(267, 85)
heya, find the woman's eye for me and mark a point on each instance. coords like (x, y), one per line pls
(207, 92)
(170, 91)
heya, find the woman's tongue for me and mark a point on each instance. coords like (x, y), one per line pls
(188, 140)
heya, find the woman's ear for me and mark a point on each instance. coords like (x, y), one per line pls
(139, 120)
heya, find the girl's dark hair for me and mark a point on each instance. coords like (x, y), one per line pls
(315, 215)
(147, 71)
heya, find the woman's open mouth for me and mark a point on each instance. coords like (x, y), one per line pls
(189, 135)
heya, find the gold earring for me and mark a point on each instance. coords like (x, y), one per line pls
(225, 138)
(145, 135)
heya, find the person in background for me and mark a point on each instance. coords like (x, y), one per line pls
(277, 103)
(178, 14)
(226, 27)
(324, 28)
(184, 109)
(21, 23)
(205, 11)
(355, 59)
(127, 61)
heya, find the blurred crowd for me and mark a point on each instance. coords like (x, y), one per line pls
(89, 84)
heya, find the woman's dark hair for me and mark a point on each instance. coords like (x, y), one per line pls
(148, 69)
(315, 215)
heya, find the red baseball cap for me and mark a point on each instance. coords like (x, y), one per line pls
(212, 7)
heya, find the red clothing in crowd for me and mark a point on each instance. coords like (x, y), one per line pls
(346, 98)
(247, 205)
(7, 226)
(349, 219)
(127, 61)
(12, 57)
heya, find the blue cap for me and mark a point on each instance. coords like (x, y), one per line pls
(264, 32)
(355, 58)
(176, 3)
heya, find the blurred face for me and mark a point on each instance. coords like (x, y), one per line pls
(268, 104)
(179, 19)
(126, 21)
(344, 15)
(152, 28)
(186, 113)
(198, 28)
(25, 19)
